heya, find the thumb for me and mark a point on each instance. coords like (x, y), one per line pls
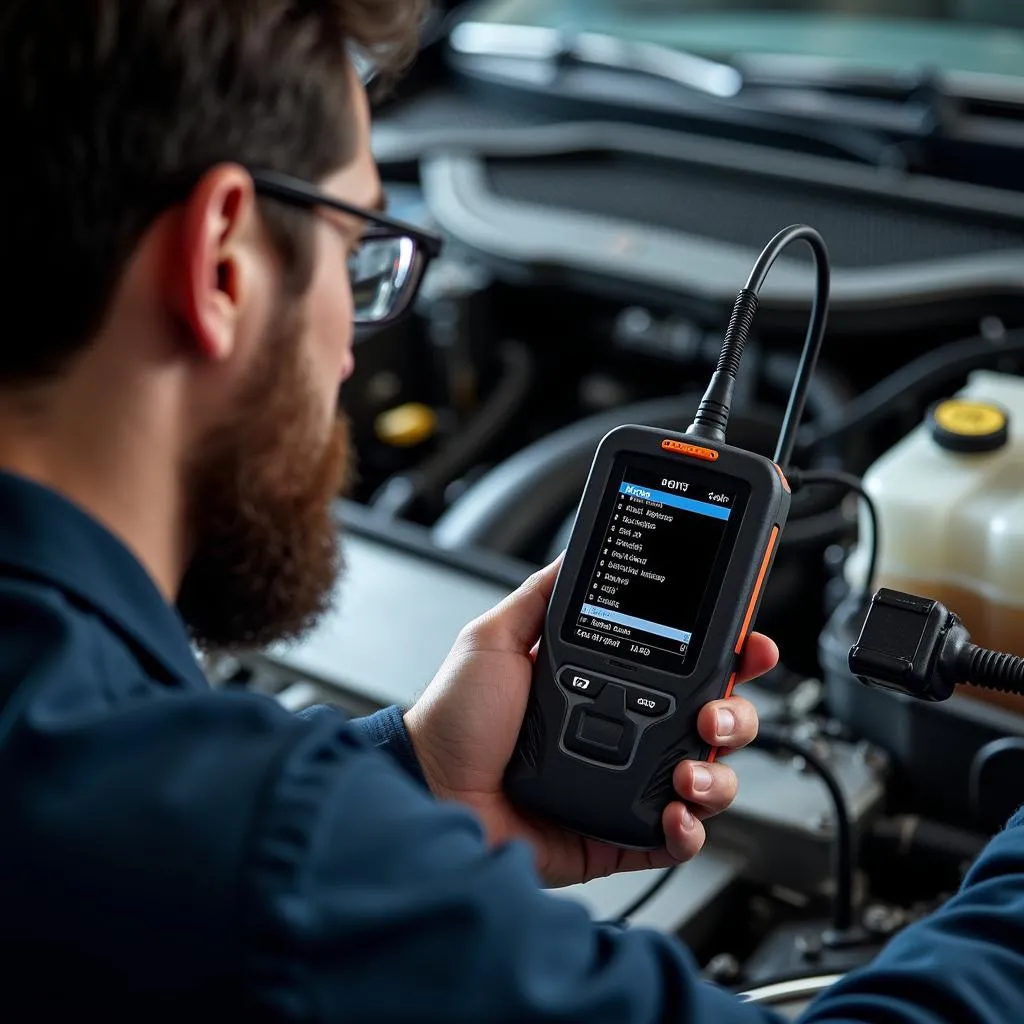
(515, 624)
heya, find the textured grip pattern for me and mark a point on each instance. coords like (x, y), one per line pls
(532, 741)
(659, 789)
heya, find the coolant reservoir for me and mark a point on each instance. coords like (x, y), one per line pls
(950, 499)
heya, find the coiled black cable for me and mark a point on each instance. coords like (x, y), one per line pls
(712, 416)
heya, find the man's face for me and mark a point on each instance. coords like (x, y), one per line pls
(264, 479)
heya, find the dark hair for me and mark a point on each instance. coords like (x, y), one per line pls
(112, 111)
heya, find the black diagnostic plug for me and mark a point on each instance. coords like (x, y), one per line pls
(918, 647)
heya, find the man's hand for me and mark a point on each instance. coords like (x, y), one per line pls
(465, 725)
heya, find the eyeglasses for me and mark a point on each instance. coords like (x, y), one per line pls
(387, 270)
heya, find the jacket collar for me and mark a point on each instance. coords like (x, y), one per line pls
(46, 536)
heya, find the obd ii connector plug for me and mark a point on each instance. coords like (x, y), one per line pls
(918, 647)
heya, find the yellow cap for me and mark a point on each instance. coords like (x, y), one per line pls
(406, 425)
(969, 426)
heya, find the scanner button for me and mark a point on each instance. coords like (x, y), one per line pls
(600, 731)
(578, 682)
(600, 737)
(646, 703)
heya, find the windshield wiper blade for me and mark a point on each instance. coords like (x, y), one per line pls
(594, 50)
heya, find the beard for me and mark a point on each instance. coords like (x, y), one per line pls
(261, 499)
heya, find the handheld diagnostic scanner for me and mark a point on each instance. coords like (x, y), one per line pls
(674, 539)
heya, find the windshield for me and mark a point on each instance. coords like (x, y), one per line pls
(976, 37)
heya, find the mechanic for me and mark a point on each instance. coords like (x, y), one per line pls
(170, 451)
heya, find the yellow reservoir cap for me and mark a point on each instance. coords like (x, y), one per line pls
(963, 425)
(406, 425)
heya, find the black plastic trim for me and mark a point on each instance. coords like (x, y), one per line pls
(544, 242)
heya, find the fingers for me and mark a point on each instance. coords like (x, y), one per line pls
(684, 839)
(730, 723)
(760, 655)
(684, 831)
(684, 834)
(515, 624)
(708, 788)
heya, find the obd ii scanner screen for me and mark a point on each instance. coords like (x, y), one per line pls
(652, 577)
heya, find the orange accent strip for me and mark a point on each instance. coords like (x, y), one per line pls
(782, 477)
(757, 589)
(682, 448)
(729, 686)
(761, 576)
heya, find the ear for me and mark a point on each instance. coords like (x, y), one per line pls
(207, 282)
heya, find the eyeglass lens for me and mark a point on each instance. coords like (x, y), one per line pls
(384, 272)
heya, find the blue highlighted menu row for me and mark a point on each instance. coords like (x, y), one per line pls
(656, 628)
(702, 508)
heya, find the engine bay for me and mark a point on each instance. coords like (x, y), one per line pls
(589, 270)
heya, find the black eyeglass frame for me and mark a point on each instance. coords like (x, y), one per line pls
(276, 185)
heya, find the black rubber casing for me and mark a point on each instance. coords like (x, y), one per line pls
(622, 803)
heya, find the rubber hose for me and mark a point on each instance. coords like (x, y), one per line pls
(935, 368)
(826, 397)
(539, 482)
(400, 493)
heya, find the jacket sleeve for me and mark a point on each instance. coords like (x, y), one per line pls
(384, 729)
(369, 900)
(965, 963)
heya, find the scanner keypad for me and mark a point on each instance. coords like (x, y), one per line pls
(602, 727)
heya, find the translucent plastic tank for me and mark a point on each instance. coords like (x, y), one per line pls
(950, 499)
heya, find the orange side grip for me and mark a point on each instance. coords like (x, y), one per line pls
(749, 617)
(782, 477)
(762, 574)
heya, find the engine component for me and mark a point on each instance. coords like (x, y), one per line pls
(689, 901)
(951, 530)
(918, 647)
(795, 951)
(406, 425)
(454, 302)
(843, 925)
(783, 820)
(964, 544)
(932, 745)
(395, 613)
(428, 481)
(945, 365)
(654, 215)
